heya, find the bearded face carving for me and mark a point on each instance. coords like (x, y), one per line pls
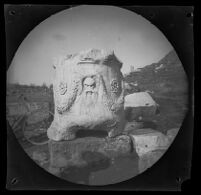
(88, 94)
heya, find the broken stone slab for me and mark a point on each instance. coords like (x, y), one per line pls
(87, 150)
(139, 104)
(139, 99)
(147, 140)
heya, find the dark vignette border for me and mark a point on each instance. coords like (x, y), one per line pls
(175, 22)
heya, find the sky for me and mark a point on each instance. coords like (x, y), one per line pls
(135, 41)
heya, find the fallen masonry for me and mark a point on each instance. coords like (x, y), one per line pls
(139, 104)
(148, 144)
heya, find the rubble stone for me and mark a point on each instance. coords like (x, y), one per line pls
(150, 145)
(148, 159)
(146, 140)
(139, 104)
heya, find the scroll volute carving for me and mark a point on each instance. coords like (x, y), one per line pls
(62, 88)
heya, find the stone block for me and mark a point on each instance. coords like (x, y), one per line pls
(147, 140)
(139, 99)
(139, 104)
(133, 113)
(150, 145)
(87, 150)
(147, 144)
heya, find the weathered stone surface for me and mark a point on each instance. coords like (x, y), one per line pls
(88, 94)
(150, 145)
(139, 99)
(147, 140)
(82, 151)
(148, 159)
(171, 133)
(139, 104)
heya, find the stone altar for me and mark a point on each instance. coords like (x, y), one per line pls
(88, 94)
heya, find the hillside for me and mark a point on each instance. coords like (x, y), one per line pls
(167, 82)
(164, 78)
